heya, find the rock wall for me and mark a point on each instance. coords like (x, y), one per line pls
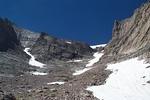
(27, 38)
(8, 37)
(48, 47)
(132, 35)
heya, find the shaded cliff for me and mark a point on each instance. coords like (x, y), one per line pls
(8, 37)
(48, 47)
(13, 61)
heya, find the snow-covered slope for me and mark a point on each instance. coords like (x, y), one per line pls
(96, 46)
(32, 61)
(129, 81)
(59, 83)
(96, 58)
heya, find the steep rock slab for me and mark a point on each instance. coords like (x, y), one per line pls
(131, 35)
(48, 47)
(8, 37)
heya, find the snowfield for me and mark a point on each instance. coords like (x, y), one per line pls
(129, 81)
(32, 61)
(96, 58)
(59, 83)
(68, 42)
(38, 73)
(95, 46)
(79, 72)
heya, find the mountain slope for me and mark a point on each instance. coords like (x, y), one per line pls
(56, 78)
(8, 37)
(127, 57)
(132, 35)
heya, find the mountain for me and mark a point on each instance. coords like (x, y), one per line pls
(8, 37)
(38, 66)
(127, 57)
(11, 54)
(27, 57)
(49, 47)
(130, 37)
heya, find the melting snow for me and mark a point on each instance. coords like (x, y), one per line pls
(96, 58)
(81, 71)
(95, 46)
(127, 82)
(38, 73)
(32, 61)
(52, 83)
(68, 42)
(74, 61)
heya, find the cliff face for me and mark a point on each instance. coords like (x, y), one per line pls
(27, 38)
(13, 61)
(8, 37)
(48, 47)
(132, 35)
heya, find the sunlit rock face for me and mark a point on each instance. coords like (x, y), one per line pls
(27, 38)
(8, 37)
(131, 35)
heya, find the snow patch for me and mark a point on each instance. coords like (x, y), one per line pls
(75, 61)
(81, 71)
(96, 58)
(59, 83)
(38, 73)
(127, 82)
(32, 60)
(68, 42)
(96, 46)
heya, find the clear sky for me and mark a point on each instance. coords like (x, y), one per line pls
(90, 21)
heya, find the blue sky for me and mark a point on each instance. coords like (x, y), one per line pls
(90, 21)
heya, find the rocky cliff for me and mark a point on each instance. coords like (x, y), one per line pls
(8, 37)
(48, 47)
(26, 37)
(131, 36)
(62, 58)
(13, 61)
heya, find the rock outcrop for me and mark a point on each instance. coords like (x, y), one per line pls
(131, 37)
(8, 37)
(26, 37)
(48, 47)
(13, 61)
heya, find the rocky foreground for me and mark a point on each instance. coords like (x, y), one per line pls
(65, 72)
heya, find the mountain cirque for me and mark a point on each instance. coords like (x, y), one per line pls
(130, 38)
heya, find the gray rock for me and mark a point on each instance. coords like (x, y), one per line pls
(9, 97)
(132, 35)
(8, 37)
(48, 47)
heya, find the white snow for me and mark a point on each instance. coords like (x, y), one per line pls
(32, 60)
(59, 83)
(96, 58)
(127, 82)
(68, 42)
(74, 61)
(95, 46)
(78, 72)
(38, 73)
